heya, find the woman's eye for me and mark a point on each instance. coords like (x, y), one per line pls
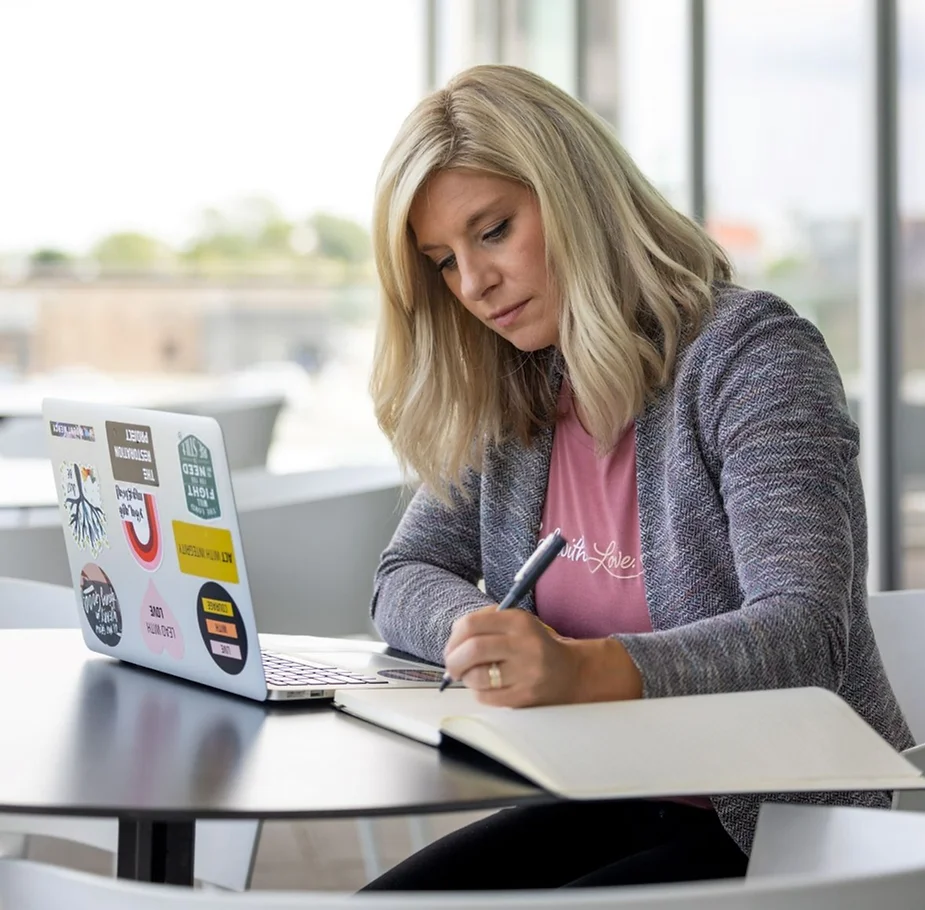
(448, 263)
(496, 233)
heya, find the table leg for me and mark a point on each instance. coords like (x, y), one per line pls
(152, 851)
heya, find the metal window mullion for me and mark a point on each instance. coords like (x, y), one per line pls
(696, 23)
(879, 309)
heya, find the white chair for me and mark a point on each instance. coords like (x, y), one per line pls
(32, 886)
(843, 841)
(898, 621)
(225, 851)
(23, 437)
(247, 423)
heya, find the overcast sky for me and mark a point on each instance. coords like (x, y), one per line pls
(136, 115)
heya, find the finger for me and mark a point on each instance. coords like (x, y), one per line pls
(477, 651)
(486, 677)
(462, 627)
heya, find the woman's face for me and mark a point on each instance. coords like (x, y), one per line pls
(485, 237)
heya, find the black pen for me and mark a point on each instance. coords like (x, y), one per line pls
(526, 577)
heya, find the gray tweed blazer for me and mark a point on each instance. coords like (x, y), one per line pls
(753, 529)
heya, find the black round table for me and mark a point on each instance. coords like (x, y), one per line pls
(87, 735)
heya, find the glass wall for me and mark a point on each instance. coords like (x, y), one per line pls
(186, 198)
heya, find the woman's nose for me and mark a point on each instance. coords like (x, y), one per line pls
(477, 277)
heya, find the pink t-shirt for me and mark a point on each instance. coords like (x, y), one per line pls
(595, 587)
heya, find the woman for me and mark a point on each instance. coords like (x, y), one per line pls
(560, 349)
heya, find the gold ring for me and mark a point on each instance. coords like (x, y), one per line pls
(494, 676)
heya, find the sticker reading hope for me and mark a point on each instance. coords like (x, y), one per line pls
(198, 478)
(206, 552)
(131, 453)
(101, 606)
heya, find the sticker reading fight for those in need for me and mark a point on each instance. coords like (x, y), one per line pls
(159, 627)
(83, 504)
(72, 431)
(206, 552)
(131, 453)
(101, 606)
(138, 511)
(198, 479)
(222, 628)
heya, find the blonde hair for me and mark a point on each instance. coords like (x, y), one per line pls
(634, 277)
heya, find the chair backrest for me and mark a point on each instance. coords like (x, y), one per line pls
(31, 886)
(842, 841)
(247, 425)
(32, 546)
(23, 437)
(27, 604)
(898, 621)
(312, 542)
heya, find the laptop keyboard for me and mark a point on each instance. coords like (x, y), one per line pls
(281, 671)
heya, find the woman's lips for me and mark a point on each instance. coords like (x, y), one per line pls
(506, 317)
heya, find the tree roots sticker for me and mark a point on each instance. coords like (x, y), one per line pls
(83, 504)
(159, 627)
(138, 511)
(101, 606)
(222, 627)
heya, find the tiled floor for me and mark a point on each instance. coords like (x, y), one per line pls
(316, 856)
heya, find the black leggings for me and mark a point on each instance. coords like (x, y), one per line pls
(573, 844)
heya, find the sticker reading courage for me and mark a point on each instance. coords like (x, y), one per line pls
(221, 627)
(204, 551)
(101, 606)
(131, 453)
(198, 479)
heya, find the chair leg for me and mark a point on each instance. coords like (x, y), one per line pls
(369, 849)
(419, 832)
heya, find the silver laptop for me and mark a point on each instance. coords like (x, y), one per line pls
(157, 563)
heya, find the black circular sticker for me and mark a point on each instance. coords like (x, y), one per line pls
(413, 675)
(222, 627)
(101, 606)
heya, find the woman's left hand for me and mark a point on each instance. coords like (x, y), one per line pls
(510, 658)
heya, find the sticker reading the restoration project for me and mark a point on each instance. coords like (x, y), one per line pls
(131, 453)
(206, 552)
(138, 511)
(101, 606)
(83, 503)
(198, 479)
(222, 628)
(159, 627)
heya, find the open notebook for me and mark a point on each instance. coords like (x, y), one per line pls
(770, 741)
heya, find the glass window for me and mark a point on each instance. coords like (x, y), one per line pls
(186, 198)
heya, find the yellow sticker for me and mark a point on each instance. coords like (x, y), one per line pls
(206, 552)
(221, 607)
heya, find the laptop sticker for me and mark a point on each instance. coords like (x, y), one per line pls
(72, 431)
(83, 503)
(101, 606)
(198, 479)
(206, 552)
(222, 628)
(159, 627)
(131, 453)
(138, 511)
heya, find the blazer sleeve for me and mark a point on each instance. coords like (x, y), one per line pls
(429, 573)
(772, 409)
